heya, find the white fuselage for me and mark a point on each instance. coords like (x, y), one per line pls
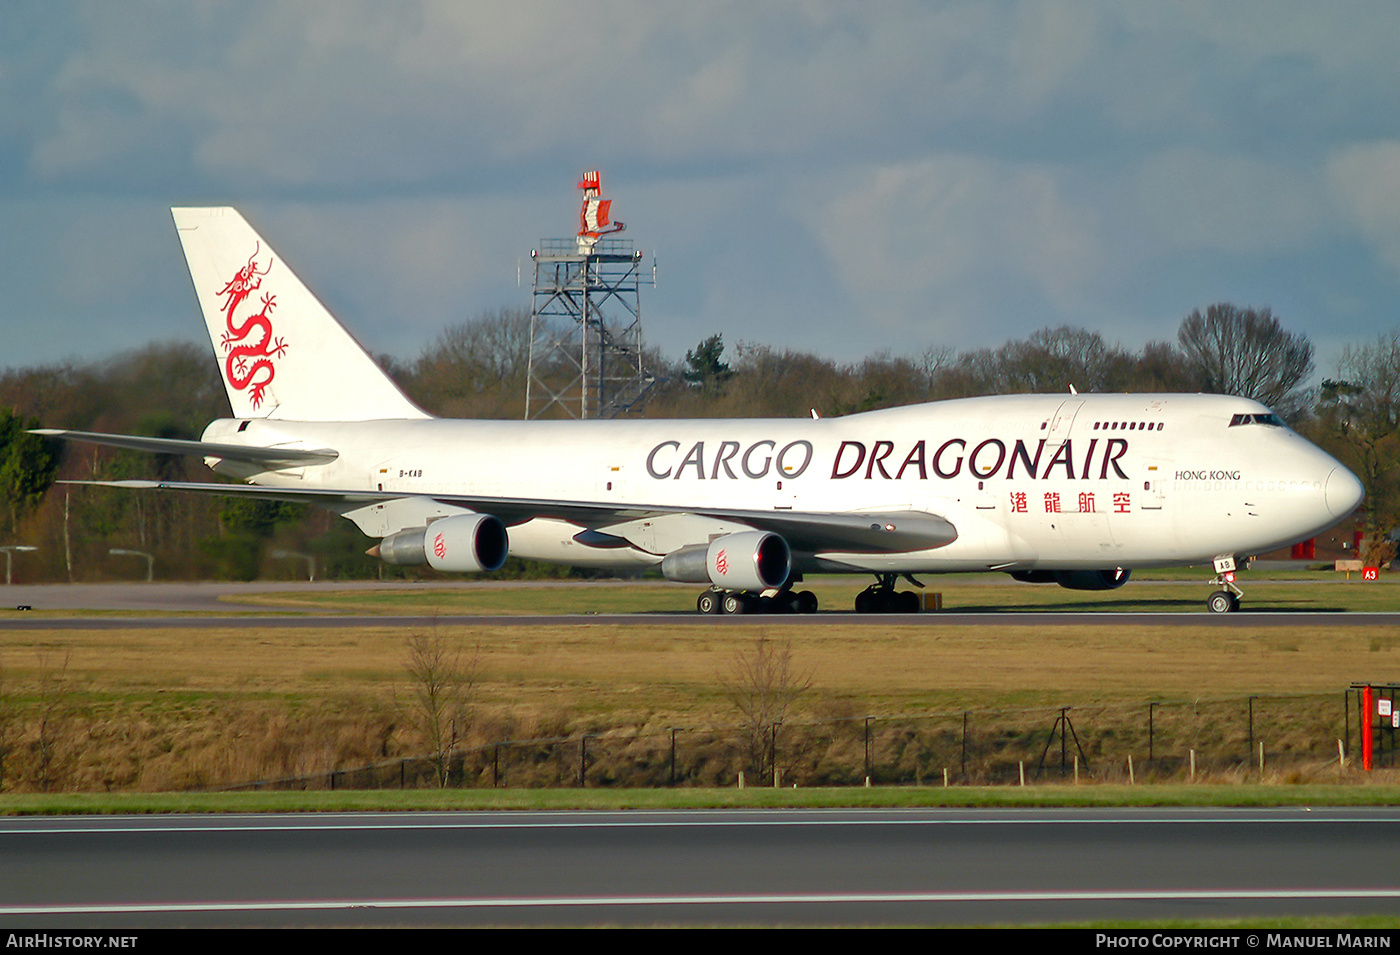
(1029, 482)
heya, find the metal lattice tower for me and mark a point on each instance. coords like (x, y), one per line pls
(586, 321)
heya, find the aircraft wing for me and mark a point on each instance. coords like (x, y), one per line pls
(884, 532)
(273, 457)
(811, 531)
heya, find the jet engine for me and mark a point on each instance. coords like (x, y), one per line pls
(464, 543)
(1076, 579)
(749, 560)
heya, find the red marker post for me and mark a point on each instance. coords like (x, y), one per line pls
(1367, 708)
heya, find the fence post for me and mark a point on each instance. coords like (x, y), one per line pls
(867, 751)
(1151, 751)
(1064, 734)
(1346, 719)
(773, 752)
(1250, 751)
(964, 747)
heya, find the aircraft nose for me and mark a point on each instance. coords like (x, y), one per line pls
(1342, 492)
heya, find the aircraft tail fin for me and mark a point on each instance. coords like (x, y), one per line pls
(281, 353)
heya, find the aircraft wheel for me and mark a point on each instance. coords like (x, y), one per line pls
(806, 602)
(708, 602)
(907, 601)
(865, 602)
(1234, 602)
(734, 604)
(1222, 601)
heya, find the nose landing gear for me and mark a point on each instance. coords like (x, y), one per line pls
(1224, 600)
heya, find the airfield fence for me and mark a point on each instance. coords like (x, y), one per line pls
(1288, 738)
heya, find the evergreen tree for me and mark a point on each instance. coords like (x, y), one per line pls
(28, 464)
(705, 367)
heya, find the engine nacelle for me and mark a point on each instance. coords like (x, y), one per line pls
(464, 543)
(750, 560)
(1075, 579)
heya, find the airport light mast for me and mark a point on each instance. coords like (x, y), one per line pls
(586, 319)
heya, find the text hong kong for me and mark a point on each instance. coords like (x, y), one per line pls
(893, 461)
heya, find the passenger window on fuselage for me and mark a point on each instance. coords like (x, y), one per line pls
(1130, 425)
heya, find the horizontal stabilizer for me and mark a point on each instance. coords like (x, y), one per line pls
(271, 457)
(263, 492)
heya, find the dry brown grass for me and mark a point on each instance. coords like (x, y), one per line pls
(165, 708)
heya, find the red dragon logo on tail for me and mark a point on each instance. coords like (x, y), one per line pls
(249, 362)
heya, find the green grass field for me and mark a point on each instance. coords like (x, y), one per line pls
(1164, 591)
(1366, 794)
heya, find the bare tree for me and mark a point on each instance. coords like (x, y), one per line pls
(441, 677)
(1161, 367)
(1246, 352)
(477, 368)
(764, 684)
(1359, 420)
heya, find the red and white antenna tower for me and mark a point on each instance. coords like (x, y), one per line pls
(586, 320)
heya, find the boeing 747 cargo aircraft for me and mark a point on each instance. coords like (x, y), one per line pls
(1077, 490)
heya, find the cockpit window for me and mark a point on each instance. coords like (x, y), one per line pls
(1269, 419)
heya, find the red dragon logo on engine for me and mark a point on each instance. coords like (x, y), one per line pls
(250, 346)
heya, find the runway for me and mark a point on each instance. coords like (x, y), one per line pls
(834, 867)
(203, 605)
(308, 621)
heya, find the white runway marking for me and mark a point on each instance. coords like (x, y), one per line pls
(691, 900)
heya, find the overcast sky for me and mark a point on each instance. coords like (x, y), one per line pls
(841, 177)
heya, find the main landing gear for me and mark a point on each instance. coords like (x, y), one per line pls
(1224, 600)
(881, 597)
(784, 600)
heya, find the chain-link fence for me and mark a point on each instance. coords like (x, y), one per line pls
(1288, 738)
